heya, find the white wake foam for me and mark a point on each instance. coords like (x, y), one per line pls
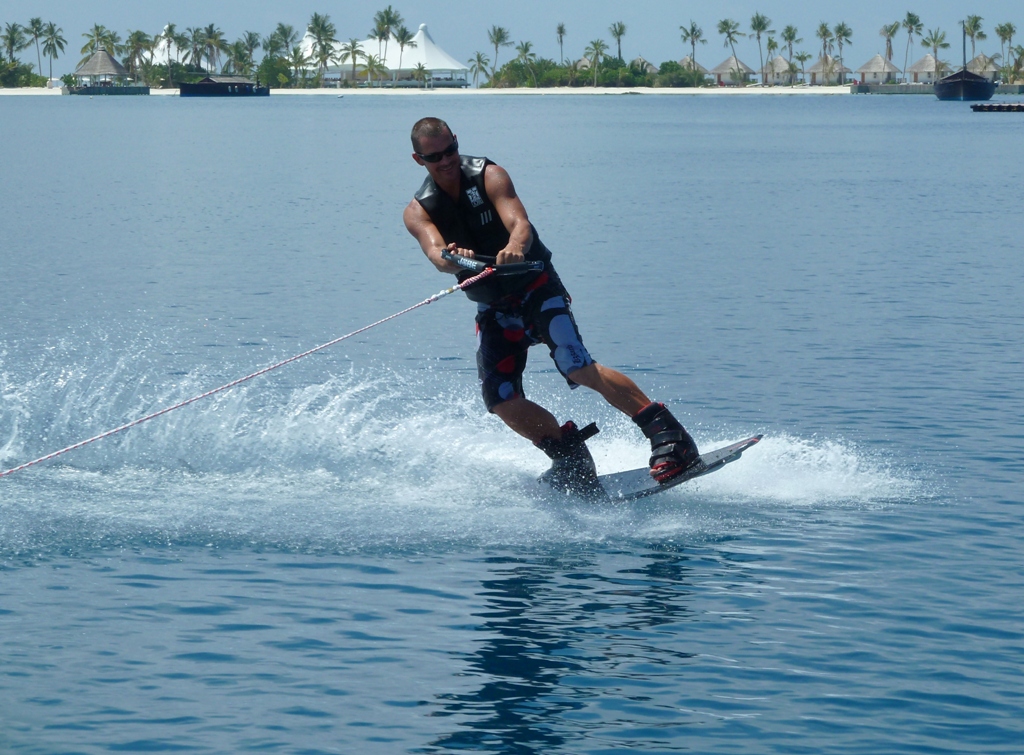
(364, 460)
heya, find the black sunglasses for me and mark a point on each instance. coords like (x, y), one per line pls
(436, 157)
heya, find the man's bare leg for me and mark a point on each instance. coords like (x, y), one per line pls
(617, 389)
(672, 448)
(532, 421)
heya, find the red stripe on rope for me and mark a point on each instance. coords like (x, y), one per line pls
(439, 295)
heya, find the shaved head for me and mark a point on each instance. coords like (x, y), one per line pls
(428, 127)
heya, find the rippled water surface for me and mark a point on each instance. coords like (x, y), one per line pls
(348, 555)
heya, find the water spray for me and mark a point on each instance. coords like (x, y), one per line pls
(481, 269)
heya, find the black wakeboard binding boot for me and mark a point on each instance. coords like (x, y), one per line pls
(672, 449)
(572, 467)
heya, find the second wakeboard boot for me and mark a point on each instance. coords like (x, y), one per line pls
(572, 467)
(673, 451)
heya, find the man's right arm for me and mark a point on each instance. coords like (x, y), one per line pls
(419, 224)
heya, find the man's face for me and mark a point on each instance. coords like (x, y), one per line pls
(439, 155)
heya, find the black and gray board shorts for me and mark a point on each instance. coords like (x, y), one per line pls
(506, 329)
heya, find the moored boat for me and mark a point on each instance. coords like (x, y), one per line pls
(964, 86)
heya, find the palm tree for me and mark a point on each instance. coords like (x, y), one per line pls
(824, 33)
(100, 36)
(789, 36)
(692, 35)
(180, 43)
(912, 25)
(936, 40)
(351, 50)
(888, 32)
(53, 42)
(386, 21)
(759, 24)
(251, 40)
(1005, 33)
(288, 35)
(792, 70)
(572, 72)
(771, 47)
(374, 67)
(499, 37)
(420, 74)
(842, 34)
(196, 44)
(1017, 67)
(135, 44)
(972, 28)
(380, 33)
(404, 38)
(618, 31)
(168, 35)
(214, 44)
(35, 30)
(560, 33)
(322, 31)
(802, 58)
(596, 50)
(527, 58)
(730, 30)
(14, 39)
(478, 65)
(273, 46)
(237, 58)
(298, 61)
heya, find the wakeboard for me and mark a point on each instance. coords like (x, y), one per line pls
(638, 483)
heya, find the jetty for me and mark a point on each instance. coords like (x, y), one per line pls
(998, 107)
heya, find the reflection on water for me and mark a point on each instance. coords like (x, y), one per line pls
(559, 634)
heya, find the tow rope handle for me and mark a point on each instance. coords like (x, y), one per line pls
(479, 264)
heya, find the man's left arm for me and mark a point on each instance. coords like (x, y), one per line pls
(510, 209)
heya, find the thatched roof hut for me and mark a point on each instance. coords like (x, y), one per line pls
(642, 64)
(827, 71)
(927, 70)
(101, 65)
(688, 64)
(723, 72)
(776, 71)
(983, 65)
(877, 71)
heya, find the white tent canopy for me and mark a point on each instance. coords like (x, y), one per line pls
(439, 63)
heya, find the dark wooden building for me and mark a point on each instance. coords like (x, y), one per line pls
(224, 86)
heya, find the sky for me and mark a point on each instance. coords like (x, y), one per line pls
(652, 26)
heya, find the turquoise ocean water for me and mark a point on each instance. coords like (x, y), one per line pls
(349, 556)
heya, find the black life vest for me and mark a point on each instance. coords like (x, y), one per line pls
(473, 223)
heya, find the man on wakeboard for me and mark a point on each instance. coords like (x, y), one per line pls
(468, 206)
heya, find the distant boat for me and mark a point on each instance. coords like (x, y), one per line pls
(223, 86)
(964, 86)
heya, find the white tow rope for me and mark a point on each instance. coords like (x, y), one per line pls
(439, 295)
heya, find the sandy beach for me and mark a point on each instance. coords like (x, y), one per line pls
(798, 91)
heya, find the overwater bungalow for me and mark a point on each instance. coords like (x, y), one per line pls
(927, 70)
(732, 72)
(102, 74)
(878, 70)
